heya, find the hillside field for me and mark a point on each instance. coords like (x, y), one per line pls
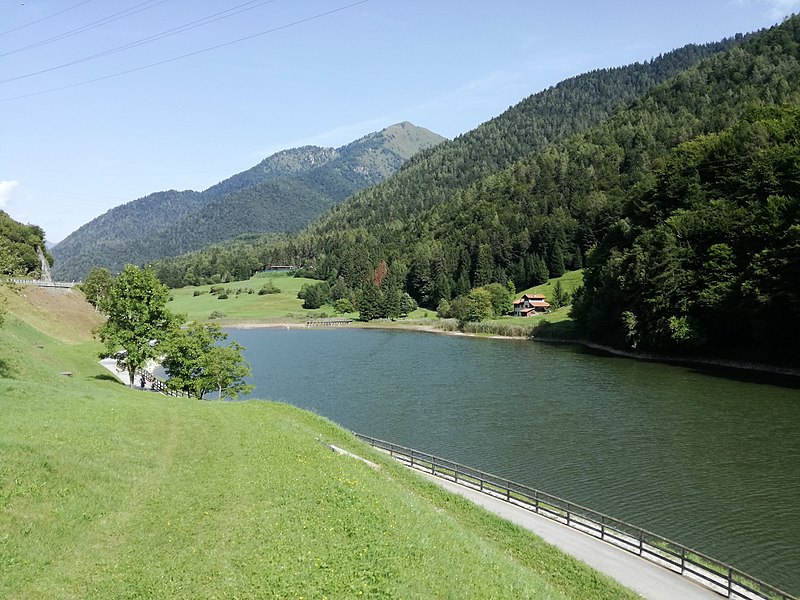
(245, 308)
(107, 492)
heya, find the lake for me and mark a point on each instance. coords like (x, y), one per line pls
(708, 459)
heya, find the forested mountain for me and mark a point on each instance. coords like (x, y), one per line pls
(283, 193)
(18, 248)
(682, 242)
(390, 214)
(707, 254)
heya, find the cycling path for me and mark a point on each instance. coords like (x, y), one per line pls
(643, 577)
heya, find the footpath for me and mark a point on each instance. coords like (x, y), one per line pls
(645, 578)
(122, 375)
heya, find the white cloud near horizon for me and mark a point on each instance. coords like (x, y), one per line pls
(6, 187)
(778, 9)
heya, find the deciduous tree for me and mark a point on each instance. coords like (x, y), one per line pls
(197, 363)
(138, 319)
(97, 286)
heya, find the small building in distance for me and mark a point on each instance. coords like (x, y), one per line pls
(531, 304)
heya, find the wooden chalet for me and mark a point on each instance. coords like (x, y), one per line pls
(531, 304)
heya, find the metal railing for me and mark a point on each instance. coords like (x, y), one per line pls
(709, 572)
(40, 283)
(157, 385)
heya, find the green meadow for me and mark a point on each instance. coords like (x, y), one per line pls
(244, 306)
(108, 492)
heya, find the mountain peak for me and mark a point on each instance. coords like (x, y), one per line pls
(281, 194)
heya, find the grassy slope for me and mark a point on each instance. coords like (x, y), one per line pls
(109, 492)
(245, 307)
(273, 308)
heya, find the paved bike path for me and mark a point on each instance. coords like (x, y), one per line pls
(645, 578)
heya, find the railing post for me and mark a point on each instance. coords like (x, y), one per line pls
(730, 581)
(602, 527)
(683, 559)
(641, 543)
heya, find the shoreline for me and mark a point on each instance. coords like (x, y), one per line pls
(372, 325)
(646, 356)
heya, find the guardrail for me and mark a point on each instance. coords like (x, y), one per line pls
(709, 572)
(40, 283)
(157, 385)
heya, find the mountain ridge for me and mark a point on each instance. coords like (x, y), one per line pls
(282, 193)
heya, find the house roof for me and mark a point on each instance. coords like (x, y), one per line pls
(537, 298)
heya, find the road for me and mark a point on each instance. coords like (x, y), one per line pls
(643, 577)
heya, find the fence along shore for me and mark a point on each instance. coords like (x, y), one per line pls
(715, 575)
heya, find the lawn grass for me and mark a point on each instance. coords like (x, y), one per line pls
(244, 307)
(107, 492)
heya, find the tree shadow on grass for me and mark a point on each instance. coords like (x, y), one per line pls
(106, 377)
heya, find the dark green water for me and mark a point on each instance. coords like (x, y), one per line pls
(709, 460)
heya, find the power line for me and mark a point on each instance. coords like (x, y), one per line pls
(55, 14)
(230, 12)
(93, 25)
(190, 54)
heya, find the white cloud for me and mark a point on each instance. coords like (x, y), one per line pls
(777, 8)
(6, 187)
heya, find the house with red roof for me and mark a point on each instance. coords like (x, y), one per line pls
(531, 304)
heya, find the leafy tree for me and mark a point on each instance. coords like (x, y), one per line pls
(407, 304)
(475, 306)
(226, 369)
(19, 245)
(97, 286)
(443, 309)
(197, 364)
(343, 305)
(137, 318)
(502, 297)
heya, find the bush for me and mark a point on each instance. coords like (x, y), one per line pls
(217, 314)
(269, 288)
(223, 296)
(198, 293)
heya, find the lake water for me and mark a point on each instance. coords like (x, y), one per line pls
(710, 460)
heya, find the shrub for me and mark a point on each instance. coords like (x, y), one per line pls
(269, 288)
(217, 314)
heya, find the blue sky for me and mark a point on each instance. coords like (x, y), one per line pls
(281, 74)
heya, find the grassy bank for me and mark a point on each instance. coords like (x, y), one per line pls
(109, 492)
(244, 306)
